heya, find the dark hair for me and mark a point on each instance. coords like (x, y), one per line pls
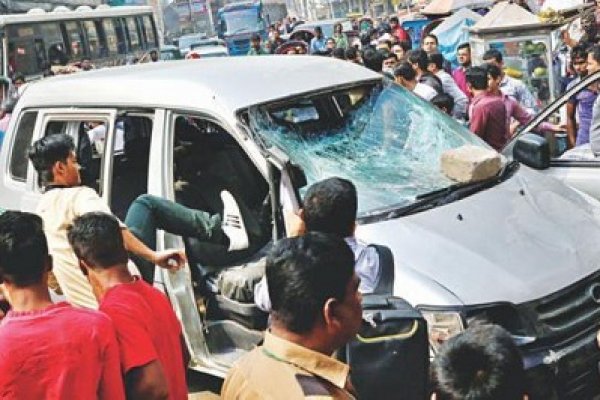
(373, 60)
(431, 35)
(351, 53)
(330, 206)
(477, 78)
(481, 363)
(493, 70)
(388, 54)
(492, 54)
(19, 77)
(318, 29)
(464, 46)
(96, 238)
(23, 248)
(419, 57)
(579, 51)
(437, 59)
(444, 101)
(405, 44)
(303, 273)
(394, 19)
(255, 37)
(595, 52)
(47, 151)
(339, 53)
(406, 71)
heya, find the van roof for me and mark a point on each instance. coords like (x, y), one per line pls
(228, 83)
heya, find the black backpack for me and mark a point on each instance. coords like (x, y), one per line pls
(389, 357)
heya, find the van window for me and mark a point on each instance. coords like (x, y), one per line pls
(24, 132)
(112, 40)
(74, 40)
(148, 25)
(119, 24)
(92, 39)
(134, 38)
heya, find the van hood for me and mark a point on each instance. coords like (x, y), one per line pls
(517, 241)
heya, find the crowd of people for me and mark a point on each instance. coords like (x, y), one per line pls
(126, 342)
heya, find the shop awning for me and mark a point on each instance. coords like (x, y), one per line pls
(445, 7)
(508, 16)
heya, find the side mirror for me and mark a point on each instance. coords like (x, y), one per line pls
(533, 151)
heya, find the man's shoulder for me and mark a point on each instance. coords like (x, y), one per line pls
(246, 380)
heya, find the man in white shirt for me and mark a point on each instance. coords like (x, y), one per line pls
(407, 77)
(330, 206)
(436, 66)
(63, 200)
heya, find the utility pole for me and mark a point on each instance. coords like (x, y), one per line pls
(191, 16)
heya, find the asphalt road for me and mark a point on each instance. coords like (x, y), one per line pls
(202, 386)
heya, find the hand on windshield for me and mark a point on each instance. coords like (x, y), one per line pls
(172, 259)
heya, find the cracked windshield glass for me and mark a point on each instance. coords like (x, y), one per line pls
(380, 136)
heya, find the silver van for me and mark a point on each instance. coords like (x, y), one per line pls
(519, 249)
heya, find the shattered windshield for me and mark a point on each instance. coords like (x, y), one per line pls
(380, 136)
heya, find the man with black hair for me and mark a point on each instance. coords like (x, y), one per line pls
(430, 43)
(487, 114)
(316, 310)
(397, 30)
(389, 62)
(481, 363)
(149, 333)
(511, 86)
(436, 67)
(256, 48)
(49, 350)
(64, 199)
(373, 60)
(420, 61)
(330, 206)
(463, 55)
(580, 106)
(514, 111)
(444, 102)
(407, 77)
(353, 55)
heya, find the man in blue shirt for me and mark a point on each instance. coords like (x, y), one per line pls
(318, 43)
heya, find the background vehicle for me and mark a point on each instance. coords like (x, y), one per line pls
(326, 25)
(37, 40)
(237, 22)
(209, 48)
(186, 42)
(518, 249)
(169, 52)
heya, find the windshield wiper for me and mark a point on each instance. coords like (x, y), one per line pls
(442, 196)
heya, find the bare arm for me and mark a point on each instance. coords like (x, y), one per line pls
(571, 124)
(166, 259)
(147, 382)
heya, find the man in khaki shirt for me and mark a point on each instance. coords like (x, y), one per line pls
(63, 200)
(316, 309)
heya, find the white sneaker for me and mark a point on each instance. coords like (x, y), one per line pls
(233, 224)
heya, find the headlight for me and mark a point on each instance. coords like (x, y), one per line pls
(442, 325)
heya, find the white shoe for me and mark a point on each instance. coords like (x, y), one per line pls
(233, 224)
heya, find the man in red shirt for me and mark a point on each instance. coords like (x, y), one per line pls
(49, 351)
(487, 114)
(397, 30)
(148, 331)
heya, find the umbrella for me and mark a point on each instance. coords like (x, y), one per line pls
(443, 7)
